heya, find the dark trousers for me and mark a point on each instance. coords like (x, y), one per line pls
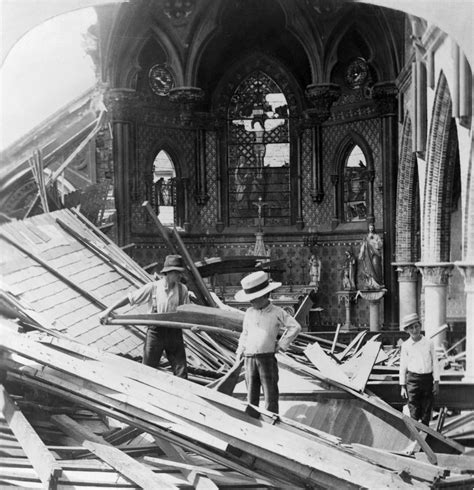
(170, 340)
(420, 396)
(261, 371)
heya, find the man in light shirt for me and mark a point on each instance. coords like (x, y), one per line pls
(259, 342)
(162, 296)
(419, 370)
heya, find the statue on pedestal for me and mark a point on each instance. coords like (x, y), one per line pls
(349, 272)
(370, 257)
(314, 270)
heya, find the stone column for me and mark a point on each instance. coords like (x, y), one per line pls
(435, 285)
(467, 270)
(408, 276)
(321, 96)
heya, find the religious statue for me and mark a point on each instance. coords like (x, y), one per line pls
(314, 270)
(349, 272)
(370, 257)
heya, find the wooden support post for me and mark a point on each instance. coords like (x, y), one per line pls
(123, 463)
(163, 231)
(195, 273)
(43, 462)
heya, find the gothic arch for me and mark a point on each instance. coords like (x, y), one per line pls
(406, 246)
(349, 141)
(169, 146)
(438, 178)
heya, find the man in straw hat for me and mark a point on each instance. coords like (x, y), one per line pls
(161, 296)
(258, 342)
(419, 370)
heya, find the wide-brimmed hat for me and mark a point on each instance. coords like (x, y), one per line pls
(408, 320)
(173, 263)
(255, 285)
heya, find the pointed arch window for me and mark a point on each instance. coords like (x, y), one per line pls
(163, 195)
(355, 186)
(258, 153)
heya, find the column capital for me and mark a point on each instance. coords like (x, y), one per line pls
(384, 94)
(188, 99)
(467, 270)
(321, 96)
(407, 271)
(435, 274)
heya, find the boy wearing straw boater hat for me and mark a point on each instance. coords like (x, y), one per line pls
(258, 341)
(161, 296)
(419, 370)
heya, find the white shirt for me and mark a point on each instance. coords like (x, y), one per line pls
(418, 357)
(261, 327)
(159, 297)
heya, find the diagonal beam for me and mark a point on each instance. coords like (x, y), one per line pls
(43, 462)
(123, 463)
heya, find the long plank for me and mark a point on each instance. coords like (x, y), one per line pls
(420, 440)
(43, 462)
(123, 463)
(201, 286)
(414, 468)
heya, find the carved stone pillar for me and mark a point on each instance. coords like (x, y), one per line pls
(384, 95)
(120, 104)
(334, 182)
(321, 97)
(467, 270)
(435, 285)
(408, 276)
(185, 187)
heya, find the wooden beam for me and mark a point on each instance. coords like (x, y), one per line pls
(163, 231)
(123, 463)
(202, 288)
(43, 462)
(414, 468)
(420, 440)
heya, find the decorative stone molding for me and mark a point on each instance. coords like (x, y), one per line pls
(467, 271)
(435, 274)
(384, 94)
(178, 10)
(321, 96)
(407, 271)
(188, 98)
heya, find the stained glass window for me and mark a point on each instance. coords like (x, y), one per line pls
(258, 153)
(355, 186)
(163, 195)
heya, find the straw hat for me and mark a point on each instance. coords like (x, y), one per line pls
(255, 285)
(408, 320)
(173, 263)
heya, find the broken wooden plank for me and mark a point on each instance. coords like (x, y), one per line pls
(43, 462)
(359, 366)
(327, 366)
(123, 463)
(410, 466)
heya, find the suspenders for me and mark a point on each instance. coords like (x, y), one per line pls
(180, 296)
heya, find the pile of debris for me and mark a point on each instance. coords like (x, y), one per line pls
(79, 411)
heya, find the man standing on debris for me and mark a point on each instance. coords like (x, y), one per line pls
(162, 296)
(419, 370)
(258, 342)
